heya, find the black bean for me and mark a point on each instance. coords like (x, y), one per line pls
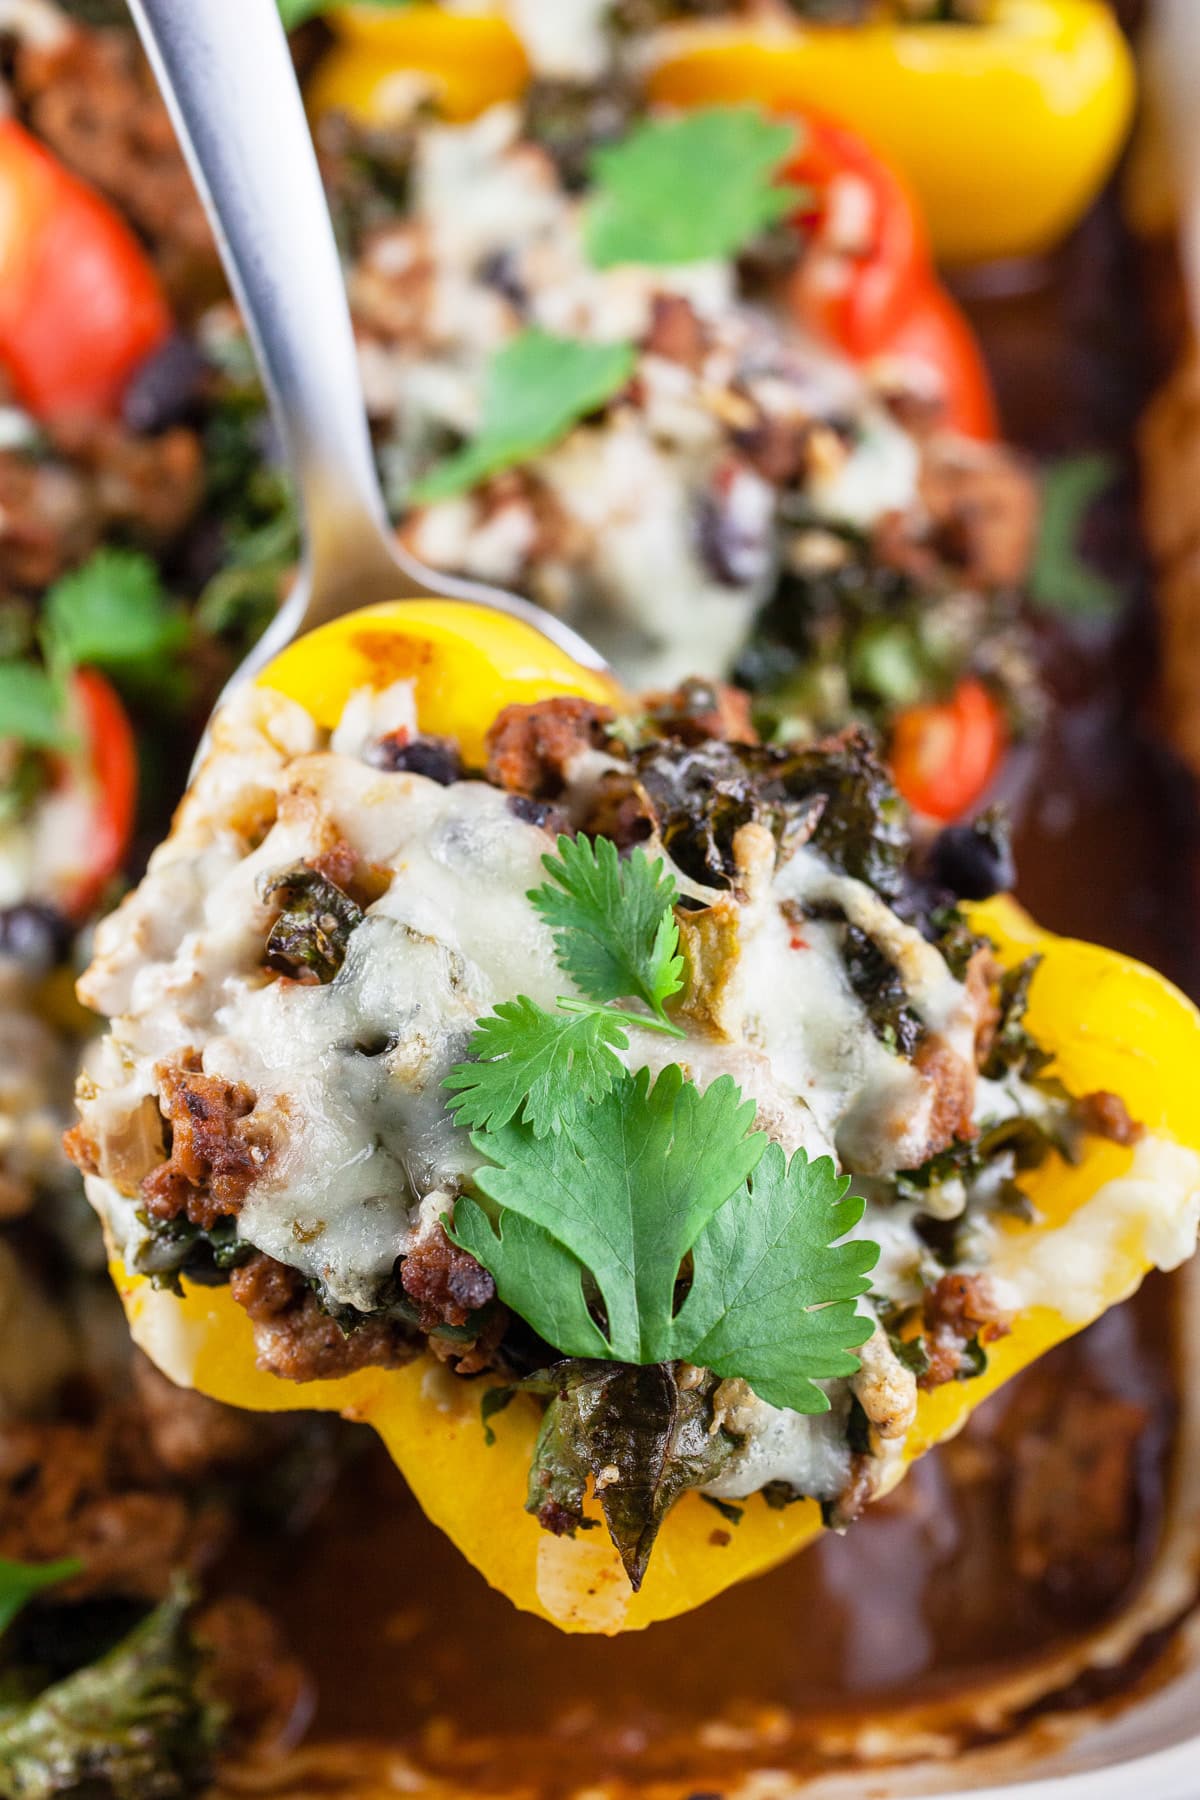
(34, 935)
(437, 758)
(974, 861)
(167, 388)
(540, 812)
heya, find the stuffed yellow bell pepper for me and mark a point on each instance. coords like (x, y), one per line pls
(1006, 128)
(350, 885)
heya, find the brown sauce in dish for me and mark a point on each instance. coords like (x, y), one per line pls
(1019, 1536)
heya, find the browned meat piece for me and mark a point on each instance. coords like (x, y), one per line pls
(952, 1079)
(95, 1493)
(957, 1310)
(531, 748)
(698, 711)
(775, 448)
(50, 519)
(446, 1283)
(676, 331)
(983, 509)
(1074, 1494)
(214, 1158)
(392, 285)
(298, 1341)
(93, 99)
(152, 486)
(1107, 1116)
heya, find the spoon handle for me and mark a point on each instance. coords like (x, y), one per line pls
(226, 74)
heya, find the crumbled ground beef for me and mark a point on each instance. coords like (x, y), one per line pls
(446, 1283)
(298, 1341)
(214, 1158)
(952, 1079)
(1106, 1115)
(676, 331)
(94, 101)
(531, 748)
(956, 1311)
(150, 487)
(96, 1492)
(983, 510)
(49, 520)
(698, 711)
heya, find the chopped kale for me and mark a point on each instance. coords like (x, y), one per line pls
(571, 119)
(835, 793)
(134, 1725)
(310, 935)
(1014, 1049)
(877, 983)
(643, 1438)
(175, 1248)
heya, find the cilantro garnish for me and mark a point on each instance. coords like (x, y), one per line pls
(296, 12)
(689, 188)
(645, 1179)
(535, 389)
(20, 1582)
(31, 706)
(536, 1066)
(1060, 580)
(617, 939)
(615, 930)
(114, 614)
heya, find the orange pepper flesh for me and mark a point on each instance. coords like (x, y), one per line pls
(1111, 1023)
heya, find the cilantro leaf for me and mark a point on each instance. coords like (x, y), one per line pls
(641, 1183)
(114, 614)
(31, 706)
(624, 1194)
(20, 1582)
(615, 932)
(1060, 581)
(296, 12)
(535, 389)
(763, 1262)
(536, 1066)
(688, 188)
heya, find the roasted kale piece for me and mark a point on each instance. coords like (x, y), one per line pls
(176, 1247)
(310, 935)
(836, 791)
(571, 119)
(134, 1725)
(1014, 1049)
(878, 984)
(643, 1438)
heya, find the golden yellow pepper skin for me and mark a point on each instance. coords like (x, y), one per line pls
(1005, 130)
(1111, 1023)
(469, 61)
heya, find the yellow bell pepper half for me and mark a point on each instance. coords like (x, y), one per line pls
(1111, 1023)
(1006, 130)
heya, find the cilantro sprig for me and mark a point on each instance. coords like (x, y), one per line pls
(21, 1582)
(648, 1177)
(603, 1196)
(535, 389)
(112, 613)
(689, 188)
(616, 937)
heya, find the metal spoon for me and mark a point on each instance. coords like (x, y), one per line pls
(226, 75)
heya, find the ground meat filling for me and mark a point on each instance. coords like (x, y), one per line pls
(214, 1159)
(959, 1312)
(530, 749)
(447, 1284)
(298, 1340)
